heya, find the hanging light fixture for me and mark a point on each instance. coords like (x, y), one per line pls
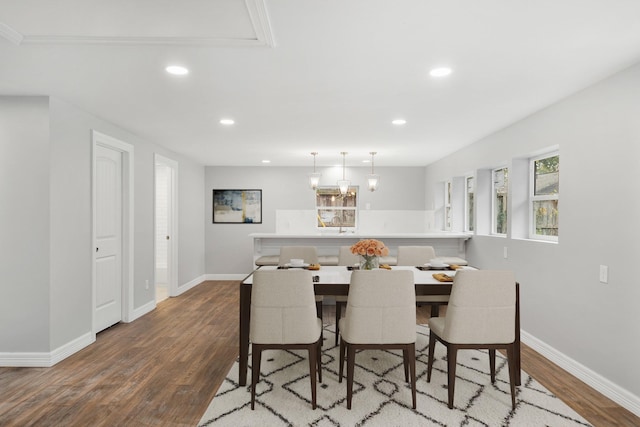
(343, 183)
(372, 177)
(314, 178)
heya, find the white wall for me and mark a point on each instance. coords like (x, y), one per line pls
(24, 224)
(229, 249)
(593, 325)
(191, 220)
(46, 217)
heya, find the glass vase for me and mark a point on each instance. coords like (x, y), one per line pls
(369, 262)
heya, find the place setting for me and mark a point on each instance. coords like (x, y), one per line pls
(299, 263)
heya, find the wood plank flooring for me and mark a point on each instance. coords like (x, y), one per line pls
(164, 369)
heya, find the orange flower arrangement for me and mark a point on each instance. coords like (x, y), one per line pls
(369, 248)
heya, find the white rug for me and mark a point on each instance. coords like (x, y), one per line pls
(381, 397)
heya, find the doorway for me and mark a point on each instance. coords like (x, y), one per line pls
(165, 221)
(112, 249)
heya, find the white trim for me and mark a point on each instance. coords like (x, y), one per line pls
(174, 239)
(144, 41)
(46, 360)
(191, 284)
(141, 311)
(10, 34)
(256, 9)
(260, 20)
(601, 384)
(98, 138)
(225, 276)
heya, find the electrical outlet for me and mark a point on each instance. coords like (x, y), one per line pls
(146, 284)
(604, 274)
(505, 252)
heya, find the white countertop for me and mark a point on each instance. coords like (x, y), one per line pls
(360, 235)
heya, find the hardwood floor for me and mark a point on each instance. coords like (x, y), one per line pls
(164, 369)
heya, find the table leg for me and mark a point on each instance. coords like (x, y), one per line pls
(245, 313)
(435, 310)
(518, 361)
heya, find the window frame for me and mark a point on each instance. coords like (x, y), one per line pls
(448, 219)
(533, 198)
(329, 226)
(494, 222)
(469, 225)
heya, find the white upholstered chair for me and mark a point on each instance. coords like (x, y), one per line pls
(415, 255)
(481, 315)
(381, 314)
(310, 256)
(346, 258)
(283, 316)
(418, 256)
(308, 253)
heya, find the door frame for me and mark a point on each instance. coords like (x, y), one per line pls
(126, 149)
(172, 276)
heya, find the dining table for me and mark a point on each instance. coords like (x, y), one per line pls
(334, 280)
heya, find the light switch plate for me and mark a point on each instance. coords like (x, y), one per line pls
(604, 274)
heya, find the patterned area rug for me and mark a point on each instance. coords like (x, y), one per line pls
(381, 397)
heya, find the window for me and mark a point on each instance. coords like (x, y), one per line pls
(500, 189)
(447, 205)
(335, 210)
(544, 194)
(468, 212)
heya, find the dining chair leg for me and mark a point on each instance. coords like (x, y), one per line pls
(405, 362)
(319, 314)
(351, 359)
(256, 357)
(338, 315)
(492, 364)
(511, 355)
(412, 368)
(452, 354)
(432, 345)
(313, 354)
(341, 361)
(318, 349)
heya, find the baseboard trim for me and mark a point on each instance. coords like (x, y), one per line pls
(240, 276)
(44, 359)
(611, 390)
(141, 311)
(195, 282)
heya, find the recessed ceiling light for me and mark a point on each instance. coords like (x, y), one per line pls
(266, 161)
(227, 122)
(366, 161)
(399, 122)
(440, 72)
(177, 70)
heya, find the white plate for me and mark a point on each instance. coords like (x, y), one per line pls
(304, 265)
(436, 266)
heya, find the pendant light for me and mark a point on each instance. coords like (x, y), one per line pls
(372, 177)
(314, 178)
(343, 183)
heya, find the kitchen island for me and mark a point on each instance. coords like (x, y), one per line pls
(266, 246)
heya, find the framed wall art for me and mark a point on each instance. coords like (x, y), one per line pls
(237, 206)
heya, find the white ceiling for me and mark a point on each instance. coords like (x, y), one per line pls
(313, 75)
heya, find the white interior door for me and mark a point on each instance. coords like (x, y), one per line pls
(166, 280)
(108, 238)
(163, 231)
